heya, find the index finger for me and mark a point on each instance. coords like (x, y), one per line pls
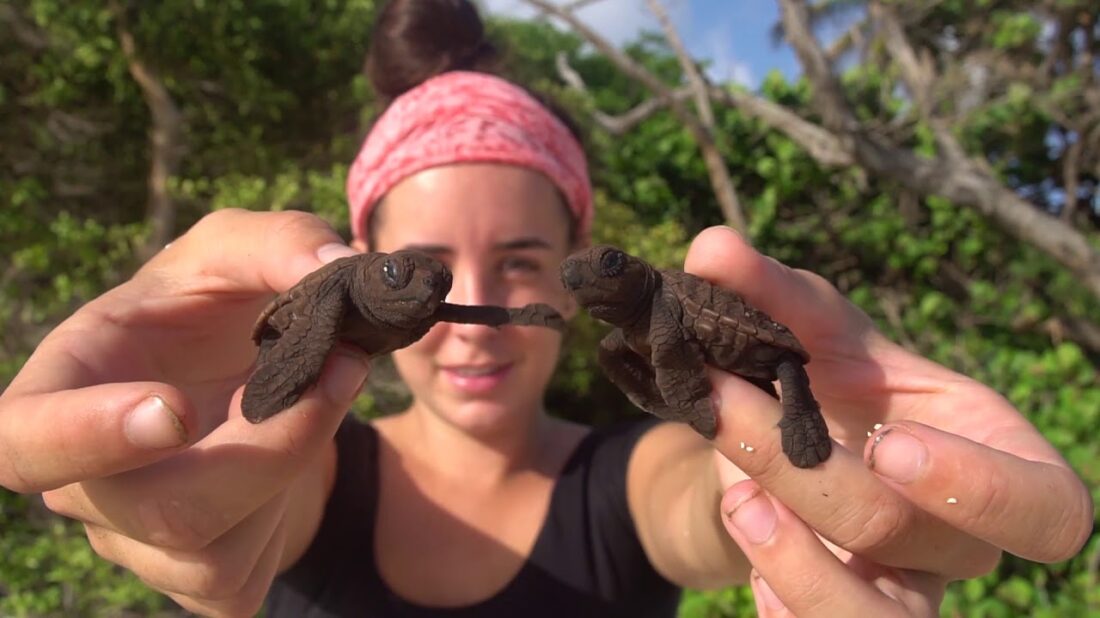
(841, 499)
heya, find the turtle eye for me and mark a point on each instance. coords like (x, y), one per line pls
(612, 263)
(391, 274)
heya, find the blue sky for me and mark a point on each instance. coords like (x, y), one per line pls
(733, 34)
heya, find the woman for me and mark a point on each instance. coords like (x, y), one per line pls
(474, 501)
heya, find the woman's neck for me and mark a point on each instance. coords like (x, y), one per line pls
(479, 461)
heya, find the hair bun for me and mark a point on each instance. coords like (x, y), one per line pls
(415, 40)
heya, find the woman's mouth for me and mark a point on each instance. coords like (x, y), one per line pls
(475, 379)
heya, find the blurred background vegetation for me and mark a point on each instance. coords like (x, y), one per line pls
(122, 124)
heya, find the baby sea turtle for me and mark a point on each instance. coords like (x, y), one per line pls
(380, 302)
(669, 324)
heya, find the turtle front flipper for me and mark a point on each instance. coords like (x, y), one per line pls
(291, 361)
(804, 433)
(682, 379)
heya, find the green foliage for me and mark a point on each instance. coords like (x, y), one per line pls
(49, 569)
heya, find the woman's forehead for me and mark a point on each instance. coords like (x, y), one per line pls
(483, 204)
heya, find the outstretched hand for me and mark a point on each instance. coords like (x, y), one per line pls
(128, 414)
(953, 476)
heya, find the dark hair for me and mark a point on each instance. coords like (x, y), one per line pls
(415, 40)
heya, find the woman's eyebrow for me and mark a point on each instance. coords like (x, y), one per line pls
(525, 242)
(431, 249)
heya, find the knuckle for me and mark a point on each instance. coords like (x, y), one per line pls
(808, 591)
(291, 446)
(867, 527)
(765, 462)
(177, 524)
(1074, 526)
(99, 541)
(12, 479)
(297, 221)
(240, 607)
(987, 499)
(12, 475)
(215, 578)
(215, 219)
(985, 561)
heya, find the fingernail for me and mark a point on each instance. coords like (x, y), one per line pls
(152, 424)
(755, 517)
(766, 594)
(898, 455)
(346, 373)
(334, 251)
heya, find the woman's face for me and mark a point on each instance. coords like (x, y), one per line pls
(503, 231)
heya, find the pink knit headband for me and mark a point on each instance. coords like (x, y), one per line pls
(462, 117)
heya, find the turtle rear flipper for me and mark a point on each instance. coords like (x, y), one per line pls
(291, 361)
(805, 437)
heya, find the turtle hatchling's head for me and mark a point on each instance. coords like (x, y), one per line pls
(609, 283)
(403, 288)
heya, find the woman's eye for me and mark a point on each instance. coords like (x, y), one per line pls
(519, 265)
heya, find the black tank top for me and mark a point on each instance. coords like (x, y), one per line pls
(586, 561)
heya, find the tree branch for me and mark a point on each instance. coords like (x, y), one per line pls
(617, 125)
(165, 138)
(825, 147)
(965, 182)
(24, 31)
(828, 94)
(578, 4)
(822, 145)
(918, 76)
(716, 165)
(691, 70)
(1070, 172)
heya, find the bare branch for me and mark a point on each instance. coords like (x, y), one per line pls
(617, 125)
(834, 108)
(917, 76)
(822, 145)
(851, 39)
(825, 147)
(691, 70)
(165, 138)
(578, 4)
(568, 74)
(1070, 172)
(24, 31)
(716, 165)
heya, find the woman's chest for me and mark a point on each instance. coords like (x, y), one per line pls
(442, 546)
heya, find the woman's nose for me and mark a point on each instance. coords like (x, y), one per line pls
(470, 287)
